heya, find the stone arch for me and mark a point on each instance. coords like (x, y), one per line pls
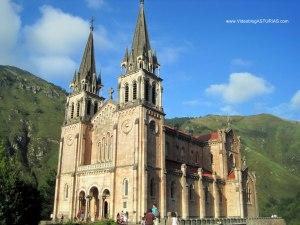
(105, 203)
(93, 203)
(81, 204)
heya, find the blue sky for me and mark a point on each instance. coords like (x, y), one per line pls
(209, 66)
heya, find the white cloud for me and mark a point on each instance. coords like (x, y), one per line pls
(295, 101)
(95, 4)
(10, 25)
(240, 88)
(56, 39)
(54, 66)
(240, 62)
(56, 32)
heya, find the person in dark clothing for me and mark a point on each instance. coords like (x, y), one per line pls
(149, 218)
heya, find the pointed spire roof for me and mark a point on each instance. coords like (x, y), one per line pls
(141, 41)
(88, 66)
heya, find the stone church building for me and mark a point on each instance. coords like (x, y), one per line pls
(121, 156)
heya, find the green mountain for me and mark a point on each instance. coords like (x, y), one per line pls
(31, 114)
(32, 111)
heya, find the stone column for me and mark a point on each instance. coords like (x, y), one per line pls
(114, 160)
(144, 169)
(240, 190)
(201, 195)
(87, 208)
(160, 95)
(142, 89)
(135, 217)
(163, 195)
(216, 197)
(57, 183)
(185, 194)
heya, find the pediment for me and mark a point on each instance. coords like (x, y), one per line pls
(106, 114)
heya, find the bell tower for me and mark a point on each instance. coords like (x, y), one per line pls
(140, 83)
(84, 100)
(140, 90)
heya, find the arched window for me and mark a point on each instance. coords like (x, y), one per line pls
(99, 151)
(126, 92)
(211, 158)
(88, 108)
(152, 126)
(125, 187)
(152, 188)
(172, 191)
(78, 109)
(66, 191)
(167, 148)
(103, 149)
(197, 157)
(72, 110)
(141, 64)
(108, 149)
(134, 90)
(154, 94)
(191, 192)
(95, 107)
(147, 90)
(182, 153)
(206, 193)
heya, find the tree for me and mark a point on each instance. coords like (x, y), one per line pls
(20, 200)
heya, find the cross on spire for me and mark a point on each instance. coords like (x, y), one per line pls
(110, 92)
(92, 23)
(141, 2)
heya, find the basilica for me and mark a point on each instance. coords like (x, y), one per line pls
(119, 155)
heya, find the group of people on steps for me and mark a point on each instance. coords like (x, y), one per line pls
(151, 217)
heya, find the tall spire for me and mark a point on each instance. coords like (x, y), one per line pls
(87, 79)
(141, 41)
(140, 56)
(87, 66)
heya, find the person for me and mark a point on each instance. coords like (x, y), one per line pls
(119, 219)
(143, 221)
(149, 218)
(169, 218)
(125, 218)
(174, 219)
(82, 215)
(156, 214)
(62, 218)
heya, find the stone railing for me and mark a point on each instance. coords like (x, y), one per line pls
(231, 221)
(97, 166)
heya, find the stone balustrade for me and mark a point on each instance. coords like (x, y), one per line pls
(231, 221)
(97, 166)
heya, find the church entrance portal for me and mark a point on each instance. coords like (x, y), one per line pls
(82, 205)
(94, 204)
(105, 200)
